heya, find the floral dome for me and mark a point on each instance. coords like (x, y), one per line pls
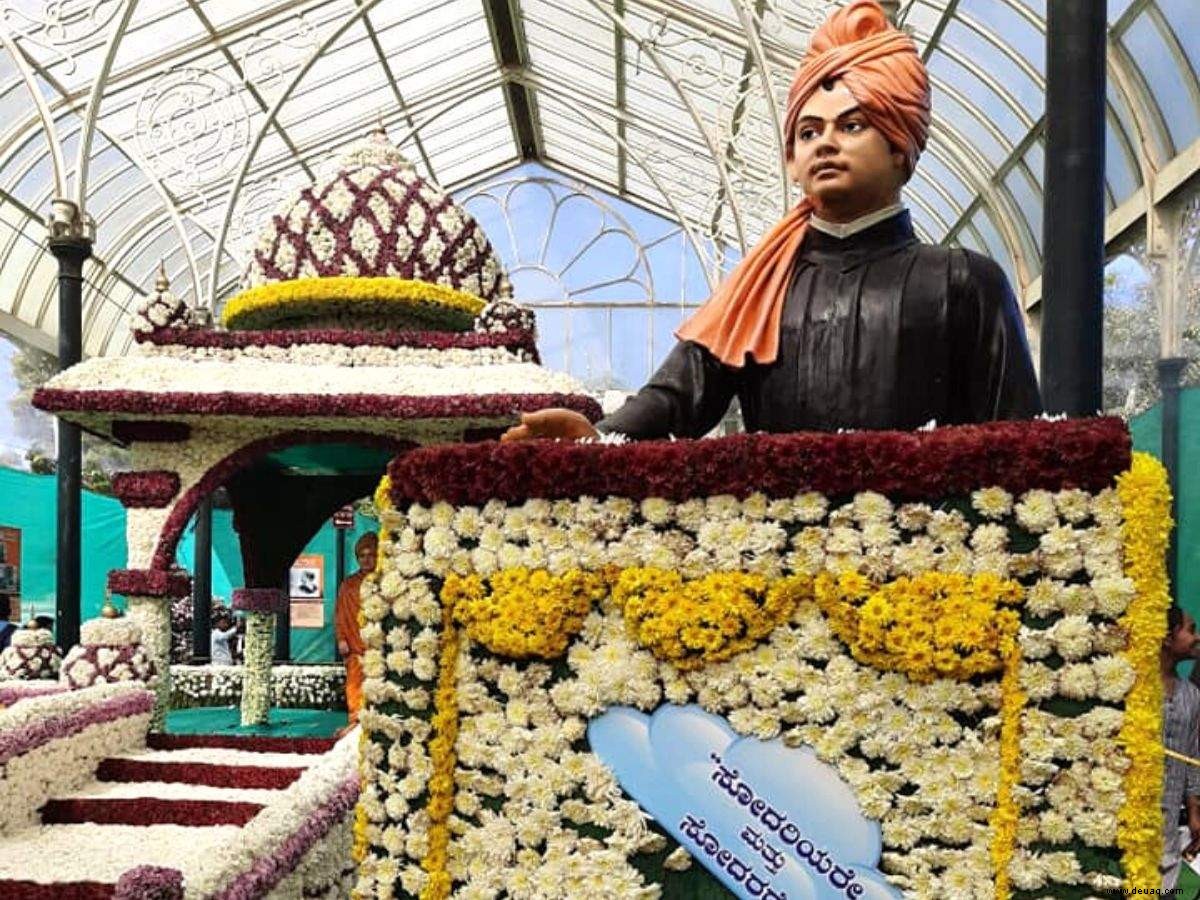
(373, 245)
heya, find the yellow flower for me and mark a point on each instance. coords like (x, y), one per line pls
(281, 300)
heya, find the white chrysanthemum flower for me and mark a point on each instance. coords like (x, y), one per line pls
(992, 502)
(1114, 677)
(1077, 681)
(1036, 511)
(1073, 637)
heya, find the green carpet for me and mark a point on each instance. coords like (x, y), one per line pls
(280, 723)
(1188, 884)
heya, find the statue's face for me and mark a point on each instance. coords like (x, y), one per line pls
(365, 554)
(839, 159)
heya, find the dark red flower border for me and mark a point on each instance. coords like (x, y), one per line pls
(128, 430)
(151, 489)
(236, 403)
(253, 743)
(164, 582)
(516, 340)
(273, 778)
(259, 600)
(11, 889)
(181, 513)
(951, 461)
(148, 811)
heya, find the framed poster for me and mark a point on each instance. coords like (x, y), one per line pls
(306, 580)
(10, 571)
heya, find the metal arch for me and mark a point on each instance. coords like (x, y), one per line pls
(43, 111)
(993, 194)
(572, 103)
(993, 84)
(260, 136)
(722, 174)
(1178, 56)
(760, 59)
(1124, 80)
(1142, 105)
(95, 97)
(155, 183)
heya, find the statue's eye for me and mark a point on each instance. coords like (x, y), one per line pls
(807, 133)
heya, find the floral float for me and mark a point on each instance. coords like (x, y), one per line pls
(375, 316)
(950, 635)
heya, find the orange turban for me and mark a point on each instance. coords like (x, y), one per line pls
(880, 66)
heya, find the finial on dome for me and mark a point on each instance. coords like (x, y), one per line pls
(161, 308)
(377, 150)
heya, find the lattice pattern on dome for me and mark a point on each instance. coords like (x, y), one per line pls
(378, 220)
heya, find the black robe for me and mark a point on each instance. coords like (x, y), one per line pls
(879, 331)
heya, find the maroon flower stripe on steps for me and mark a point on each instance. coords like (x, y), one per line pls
(148, 811)
(922, 465)
(326, 406)
(254, 743)
(11, 889)
(134, 770)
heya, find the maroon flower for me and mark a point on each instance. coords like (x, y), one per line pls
(145, 489)
(150, 883)
(150, 582)
(952, 461)
(259, 600)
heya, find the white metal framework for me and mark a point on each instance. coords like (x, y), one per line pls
(188, 120)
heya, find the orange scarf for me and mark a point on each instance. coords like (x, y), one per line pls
(880, 66)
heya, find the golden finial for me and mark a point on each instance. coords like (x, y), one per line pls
(109, 611)
(161, 284)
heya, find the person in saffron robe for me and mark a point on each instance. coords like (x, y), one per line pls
(839, 317)
(345, 622)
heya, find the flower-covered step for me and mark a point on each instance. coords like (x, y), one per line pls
(194, 773)
(234, 791)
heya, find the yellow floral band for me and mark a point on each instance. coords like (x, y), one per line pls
(407, 301)
(1039, 613)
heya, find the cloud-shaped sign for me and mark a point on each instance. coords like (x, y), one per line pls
(771, 822)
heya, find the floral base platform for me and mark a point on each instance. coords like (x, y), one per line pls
(856, 665)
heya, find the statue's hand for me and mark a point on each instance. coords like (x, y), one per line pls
(565, 424)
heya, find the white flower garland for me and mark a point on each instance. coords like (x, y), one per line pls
(340, 355)
(311, 687)
(260, 649)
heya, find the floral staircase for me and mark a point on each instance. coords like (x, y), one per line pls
(163, 812)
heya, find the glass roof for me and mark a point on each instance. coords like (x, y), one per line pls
(210, 112)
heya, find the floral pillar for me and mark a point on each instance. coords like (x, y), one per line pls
(261, 606)
(148, 594)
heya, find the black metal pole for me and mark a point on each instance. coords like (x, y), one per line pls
(1170, 371)
(341, 559)
(71, 252)
(1073, 234)
(202, 583)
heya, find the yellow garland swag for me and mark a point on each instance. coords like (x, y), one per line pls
(1146, 504)
(304, 296)
(934, 625)
(708, 620)
(521, 614)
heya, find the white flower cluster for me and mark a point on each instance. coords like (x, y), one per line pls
(324, 866)
(152, 615)
(99, 664)
(260, 376)
(922, 759)
(341, 355)
(308, 687)
(101, 632)
(256, 683)
(28, 780)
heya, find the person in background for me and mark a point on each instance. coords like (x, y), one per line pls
(345, 621)
(223, 631)
(1181, 733)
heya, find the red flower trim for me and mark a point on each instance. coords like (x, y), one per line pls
(181, 513)
(55, 890)
(952, 461)
(456, 406)
(127, 431)
(148, 811)
(255, 744)
(516, 340)
(259, 600)
(149, 489)
(164, 582)
(131, 770)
